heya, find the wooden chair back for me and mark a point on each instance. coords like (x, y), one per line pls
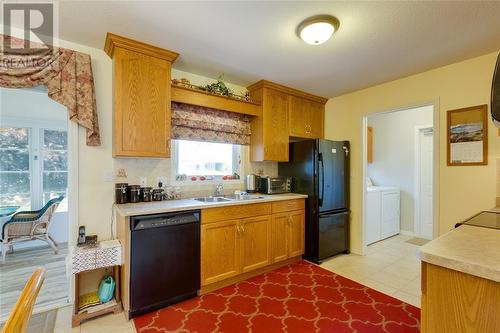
(20, 315)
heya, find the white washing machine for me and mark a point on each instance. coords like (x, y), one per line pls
(383, 213)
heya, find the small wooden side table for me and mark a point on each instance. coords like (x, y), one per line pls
(106, 254)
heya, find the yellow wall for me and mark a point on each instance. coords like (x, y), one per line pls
(463, 190)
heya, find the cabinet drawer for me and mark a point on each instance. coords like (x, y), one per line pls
(288, 205)
(234, 212)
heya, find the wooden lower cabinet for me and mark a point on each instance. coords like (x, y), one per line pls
(255, 243)
(280, 226)
(237, 247)
(296, 233)
(288, 235)
(453, 301)
(220, 251)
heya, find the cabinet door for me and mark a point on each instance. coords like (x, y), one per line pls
(220, 248)
(280, 232)
(296, 233)
(142, 105)
(372, 233)
(316, 120)
(299, 117)
(275, 129)
(255, 242)
(390, 223)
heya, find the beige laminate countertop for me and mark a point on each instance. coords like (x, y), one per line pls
(468, 249)
(144, 208)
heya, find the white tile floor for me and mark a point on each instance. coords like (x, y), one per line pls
(390, 266)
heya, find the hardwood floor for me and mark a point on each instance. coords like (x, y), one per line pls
(18, 268)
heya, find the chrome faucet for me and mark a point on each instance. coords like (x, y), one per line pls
(218, 189)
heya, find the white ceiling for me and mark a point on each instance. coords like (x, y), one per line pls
(249, 41)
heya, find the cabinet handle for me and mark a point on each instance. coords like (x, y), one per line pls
(290, 220)
(242, 228)
(238, 229)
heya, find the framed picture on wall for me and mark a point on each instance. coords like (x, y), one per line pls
(467, 136)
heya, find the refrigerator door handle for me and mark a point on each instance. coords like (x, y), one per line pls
(322, 175)
(346, 151)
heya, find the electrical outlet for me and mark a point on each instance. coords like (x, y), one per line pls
(143, 181)
(108, 176)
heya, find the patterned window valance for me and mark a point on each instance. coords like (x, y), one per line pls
(191, 122)
(66, 73)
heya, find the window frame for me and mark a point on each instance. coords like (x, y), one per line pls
(35, 151)
(30, 165)
(237, 150)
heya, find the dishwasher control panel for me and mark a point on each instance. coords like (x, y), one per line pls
(164, 220)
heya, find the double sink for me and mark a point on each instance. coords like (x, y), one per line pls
(228, 198)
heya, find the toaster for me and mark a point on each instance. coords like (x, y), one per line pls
(275, 185)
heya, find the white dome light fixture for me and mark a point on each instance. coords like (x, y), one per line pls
(316, 30)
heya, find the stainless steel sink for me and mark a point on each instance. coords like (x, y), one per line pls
(229, 198)
(244, 197)
(212, 199)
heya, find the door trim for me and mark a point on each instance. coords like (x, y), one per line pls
(360, 246)
(416, 186)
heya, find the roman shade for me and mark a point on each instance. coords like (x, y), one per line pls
(198, 123)
(66, 73)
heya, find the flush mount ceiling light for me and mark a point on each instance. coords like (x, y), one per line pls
(318, 29)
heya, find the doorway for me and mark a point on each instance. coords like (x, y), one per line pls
(38, 153)
(400, 169)
(424, 138)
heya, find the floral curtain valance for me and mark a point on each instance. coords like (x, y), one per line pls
(66, 73)
(191, 122)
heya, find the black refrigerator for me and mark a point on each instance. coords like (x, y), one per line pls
(320, 169)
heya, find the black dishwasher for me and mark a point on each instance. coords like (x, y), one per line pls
(164, 260)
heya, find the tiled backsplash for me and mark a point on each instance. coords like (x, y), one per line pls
(153, 168)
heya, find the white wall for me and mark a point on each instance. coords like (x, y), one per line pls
(34, 107)
(394, 154)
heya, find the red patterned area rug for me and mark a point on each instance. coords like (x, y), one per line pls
(299, 298)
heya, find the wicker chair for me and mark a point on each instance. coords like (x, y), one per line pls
(30, 225)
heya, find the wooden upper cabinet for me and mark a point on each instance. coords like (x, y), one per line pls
(306, 118)
(141, 98)
(285, 112)
(269, 141)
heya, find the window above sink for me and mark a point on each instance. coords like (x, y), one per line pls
(205, 162)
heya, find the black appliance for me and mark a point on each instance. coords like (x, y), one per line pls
(275, 185)
(484, 219)
(320, 169)
(495, 94)
(164, 260)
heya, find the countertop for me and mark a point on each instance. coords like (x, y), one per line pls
(144, 208)
(468, 249)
